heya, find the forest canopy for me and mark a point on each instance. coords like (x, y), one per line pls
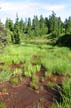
(36, 27)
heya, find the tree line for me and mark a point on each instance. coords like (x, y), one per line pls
(36, 27)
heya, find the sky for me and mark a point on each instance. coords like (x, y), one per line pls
(29, 8)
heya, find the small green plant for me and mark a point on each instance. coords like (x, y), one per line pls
(17, 72)
(38, 68)
(47, 74)
(3, 105)
(34, 82)
(35, 78)
(5, 76)
(30, 69)
(15, 81)
(51, 84)
(34, 85)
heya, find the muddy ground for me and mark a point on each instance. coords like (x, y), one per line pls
(23, 96)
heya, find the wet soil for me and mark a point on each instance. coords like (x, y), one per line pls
(23, 96)
(18, 96)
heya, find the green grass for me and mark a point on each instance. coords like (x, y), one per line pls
(5, 76)
(55, 59)
(66, 103)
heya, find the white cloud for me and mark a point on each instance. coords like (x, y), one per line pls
(10, 6)
(27, 9)
(54, 7)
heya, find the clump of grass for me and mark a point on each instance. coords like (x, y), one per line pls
(60, 67)
(5, 76)
(47, 74)
(17, 72)
(34, 82)
(66, 103)
(15, 80)
(51, 84)
(67, 89)
(30, 69)
(57, 65)
(34, 85)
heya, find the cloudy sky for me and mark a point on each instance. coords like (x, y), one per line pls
(29, 8)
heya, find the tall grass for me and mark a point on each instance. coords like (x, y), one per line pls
(5, 76)
(55, 59)
(66, 103)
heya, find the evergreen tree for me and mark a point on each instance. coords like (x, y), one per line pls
(9, 24)
(35, 26)
(68, 26)
(43, 28)
(29, 27)
(55, 25)
(9, 29)
(3, 37)
(52, 22)
(22, 26)
(47, 24)
(16, 37)
(59, 26)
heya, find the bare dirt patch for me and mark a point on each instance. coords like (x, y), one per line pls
(23, 96)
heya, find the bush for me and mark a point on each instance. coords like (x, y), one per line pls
(64, 41)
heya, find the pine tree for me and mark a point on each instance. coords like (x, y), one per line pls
(47, 24)
(68, 26)
(9, 24)
(22, 26)
(35, 26)
(16, 36)
(29, 27)
(43, 28)
(9, 29)
(52, 22)
(59, 26)
(3, 37)
(55, 25)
